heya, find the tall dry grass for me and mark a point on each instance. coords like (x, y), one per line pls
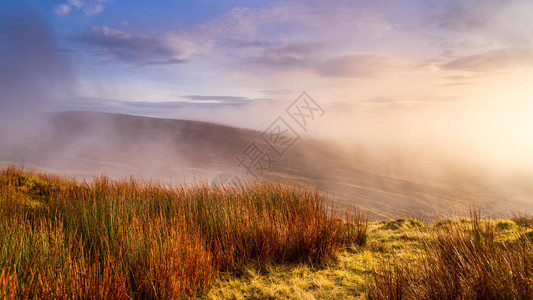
(461, 260)
(60, 238)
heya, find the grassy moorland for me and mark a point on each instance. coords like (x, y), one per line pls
(124, 239)
(407, 259)
(60, 238)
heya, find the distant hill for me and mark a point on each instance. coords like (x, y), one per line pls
(82, 143)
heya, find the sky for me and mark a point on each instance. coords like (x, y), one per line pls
(415, 70)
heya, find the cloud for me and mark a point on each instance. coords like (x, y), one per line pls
(474, 26)
(276, 92)
(171, 61)
(277, 62)
(282, 56)
(291, 35)
(286, 18)
(302, 45)
(62, 9)
(169, 48)
(238, 43)
(93, 10)
(328, 29)
(301, 48)
(216, 99)
(493, 60)
(253, 36)
(355, 65)
(302, 57)
(90, 7)
(162, 108)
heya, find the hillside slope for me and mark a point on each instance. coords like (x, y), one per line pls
(82, 143)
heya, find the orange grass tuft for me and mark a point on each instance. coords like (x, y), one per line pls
(61, 238)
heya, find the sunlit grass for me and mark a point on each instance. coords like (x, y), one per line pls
(396, 250)
(461, 259)
(60, 238)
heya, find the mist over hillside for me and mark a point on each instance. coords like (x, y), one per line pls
(83, 144)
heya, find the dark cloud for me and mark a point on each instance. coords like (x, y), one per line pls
(170, 48)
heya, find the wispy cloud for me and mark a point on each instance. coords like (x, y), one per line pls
(355, 47)
(355, 65)
(493, 60)
(164, 108)
(89, 7)
(216, 99)
(276, 92)
(62, 9)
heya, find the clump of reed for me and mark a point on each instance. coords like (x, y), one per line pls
(61, 238)
(462, 260)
